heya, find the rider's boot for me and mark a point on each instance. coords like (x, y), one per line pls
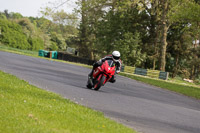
(90, 78)
(90, 74)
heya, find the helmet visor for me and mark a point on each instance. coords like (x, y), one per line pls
(116, 58)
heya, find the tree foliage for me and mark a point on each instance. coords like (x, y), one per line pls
(156, 34)
(12, 35)
(153, 34)
(37, 33)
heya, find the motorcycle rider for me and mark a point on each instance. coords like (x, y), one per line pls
(116, 59)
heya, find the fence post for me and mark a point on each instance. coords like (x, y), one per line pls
(122, 68)
(163, 75)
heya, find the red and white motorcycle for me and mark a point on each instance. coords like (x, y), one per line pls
(101, 75)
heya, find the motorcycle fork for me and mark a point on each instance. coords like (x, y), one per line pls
(105, 79)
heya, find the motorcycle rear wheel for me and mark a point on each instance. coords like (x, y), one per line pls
(100, 83)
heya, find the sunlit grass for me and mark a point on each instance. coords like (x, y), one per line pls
(26, 108)
(187, 90)
(18, 51)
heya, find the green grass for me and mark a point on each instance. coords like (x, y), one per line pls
(26, 108)
(18, 51)
(179, 80)
(187, 90)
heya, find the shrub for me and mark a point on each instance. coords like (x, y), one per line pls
(36, 43)
(53, 46)
(12, 35)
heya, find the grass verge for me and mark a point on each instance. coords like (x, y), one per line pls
(18, 51)
(26, 108)
(190, 91)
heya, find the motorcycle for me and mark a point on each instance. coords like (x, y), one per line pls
(101, 75)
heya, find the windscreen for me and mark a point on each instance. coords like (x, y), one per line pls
(111, 63)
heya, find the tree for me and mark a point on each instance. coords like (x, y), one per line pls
(36, 43)
(179, 49)
(119, 30)
(187, 12)
(7, 14)
(164, 29)
(2, 16)
(15, 15)
(130, 48)
(59, 24)
(12, 35)
(58, 40)
(91, 12)
(28, 28)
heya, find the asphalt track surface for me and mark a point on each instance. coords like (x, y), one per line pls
(145, 108)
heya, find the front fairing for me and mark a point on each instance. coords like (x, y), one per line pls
(97, 71)
(108, 68)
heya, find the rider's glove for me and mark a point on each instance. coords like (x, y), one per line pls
(117, 71)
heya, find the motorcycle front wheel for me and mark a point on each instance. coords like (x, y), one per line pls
(99, 83)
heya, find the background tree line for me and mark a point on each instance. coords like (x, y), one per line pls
(153, 34)
(52, 31)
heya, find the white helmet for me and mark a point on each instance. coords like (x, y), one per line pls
(115, 55)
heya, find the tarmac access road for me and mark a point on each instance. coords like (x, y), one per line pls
(143, 107)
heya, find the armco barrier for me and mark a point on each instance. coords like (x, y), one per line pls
(41, 53)
(140, 71)
(44, 53)
(127, 69)
(65, 56)
(72, 58)
(146, 72)
(153, 73)
(163, 75)
(54, 54)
